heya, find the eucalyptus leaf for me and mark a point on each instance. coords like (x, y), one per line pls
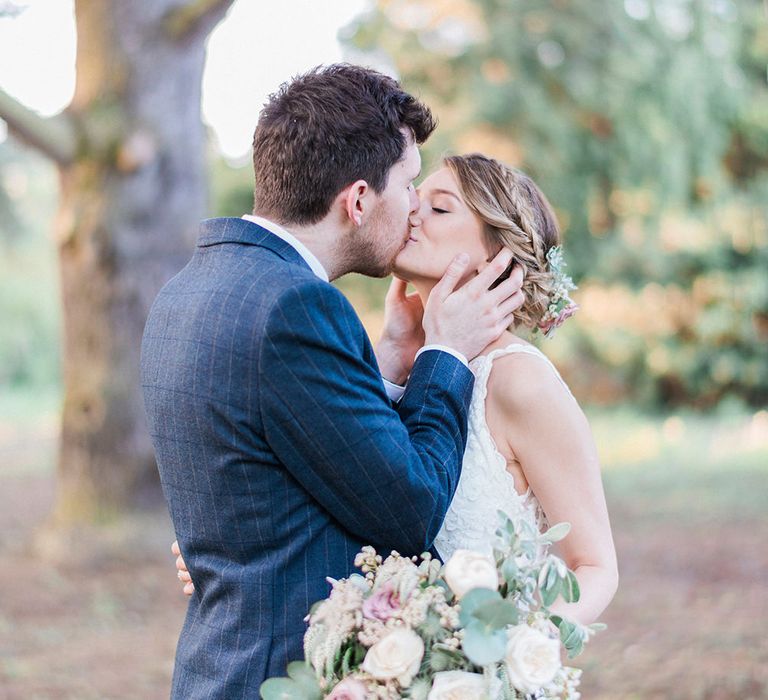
(552, 577)
(483, 646)
(497, 613)
(282, 689)
(474, 599)
(304, 677)
(549, 593)
(566, 628)
(570, 589)
(509, 570)
(572, 637)
(556, 533)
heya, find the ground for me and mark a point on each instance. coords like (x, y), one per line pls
(688, 498)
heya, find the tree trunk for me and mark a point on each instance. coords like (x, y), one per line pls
(131, 201)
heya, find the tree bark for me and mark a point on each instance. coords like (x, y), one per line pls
(132, 195)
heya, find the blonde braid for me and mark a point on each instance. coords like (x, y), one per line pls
(516, 215)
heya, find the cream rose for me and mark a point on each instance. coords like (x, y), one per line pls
(458, 685)
(466, 570)
(398, 655)
(532, 658)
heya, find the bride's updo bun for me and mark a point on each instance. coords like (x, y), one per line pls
(516, 215)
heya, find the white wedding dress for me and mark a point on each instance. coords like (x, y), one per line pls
(485, 486)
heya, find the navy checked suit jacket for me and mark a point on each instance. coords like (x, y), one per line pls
(279, 452)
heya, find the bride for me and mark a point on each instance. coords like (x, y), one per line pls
(530, 451)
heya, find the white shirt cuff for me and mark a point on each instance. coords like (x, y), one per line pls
(394, 391)
(450, 351)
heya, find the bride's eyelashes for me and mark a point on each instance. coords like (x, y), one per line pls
(437, 210)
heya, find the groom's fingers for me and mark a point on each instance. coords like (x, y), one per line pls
(508, 307)
(509, 286)
(487, 276)
(397, 288)
(450, 279)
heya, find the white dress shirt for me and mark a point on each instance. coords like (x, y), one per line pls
(394, 391)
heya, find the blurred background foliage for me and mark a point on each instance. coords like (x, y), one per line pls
(646, 123)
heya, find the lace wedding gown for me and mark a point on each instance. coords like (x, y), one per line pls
(485, 486)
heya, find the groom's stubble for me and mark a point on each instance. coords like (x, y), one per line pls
(372, 249)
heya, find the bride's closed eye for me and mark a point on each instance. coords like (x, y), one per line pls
(437, 210)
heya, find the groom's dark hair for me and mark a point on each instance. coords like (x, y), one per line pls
(325, 129)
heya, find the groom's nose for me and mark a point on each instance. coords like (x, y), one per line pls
(415, 202)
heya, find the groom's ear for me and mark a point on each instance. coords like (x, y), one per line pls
(357, 201)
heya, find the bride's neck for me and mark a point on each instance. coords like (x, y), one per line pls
(424, 289)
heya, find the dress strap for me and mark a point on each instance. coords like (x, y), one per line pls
(485, 362)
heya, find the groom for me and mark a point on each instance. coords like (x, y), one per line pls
(279, 450)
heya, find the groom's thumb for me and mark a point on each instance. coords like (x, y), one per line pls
(453, 274)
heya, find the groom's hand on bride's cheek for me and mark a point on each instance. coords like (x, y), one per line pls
(470, 318)
(182, 572)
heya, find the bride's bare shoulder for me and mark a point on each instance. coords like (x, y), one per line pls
(521, 380)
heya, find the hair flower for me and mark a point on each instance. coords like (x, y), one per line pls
(561, 306)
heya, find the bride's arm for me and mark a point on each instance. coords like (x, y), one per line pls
(543, 426)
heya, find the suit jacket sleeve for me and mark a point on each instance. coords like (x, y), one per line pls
(387, 476)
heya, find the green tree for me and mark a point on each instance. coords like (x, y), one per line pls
(645, 122)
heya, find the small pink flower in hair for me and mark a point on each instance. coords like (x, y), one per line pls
(548, 327)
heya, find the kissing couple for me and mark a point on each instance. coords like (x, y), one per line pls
(285, 442)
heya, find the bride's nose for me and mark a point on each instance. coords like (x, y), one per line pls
(414, 220)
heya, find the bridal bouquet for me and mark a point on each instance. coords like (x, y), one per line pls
(478, 627)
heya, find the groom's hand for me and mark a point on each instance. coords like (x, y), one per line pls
(402, 335)
(470, 318)
(182, 572)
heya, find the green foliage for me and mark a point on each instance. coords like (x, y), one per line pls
(29, 305)
(301, 684)
(646, 123)
(231, 187)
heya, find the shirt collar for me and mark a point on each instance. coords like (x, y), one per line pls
(309, 257)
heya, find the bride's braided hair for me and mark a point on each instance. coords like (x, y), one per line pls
(516, 215)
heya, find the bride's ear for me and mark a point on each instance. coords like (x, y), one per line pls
(356, 201)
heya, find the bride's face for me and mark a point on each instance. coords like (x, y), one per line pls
(442, 227)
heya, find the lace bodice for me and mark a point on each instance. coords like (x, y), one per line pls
(485, 486)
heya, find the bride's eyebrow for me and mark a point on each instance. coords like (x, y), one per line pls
(448, 192)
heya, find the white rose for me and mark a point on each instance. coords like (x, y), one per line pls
(466, 570)
(398, 655)
(458, 685)
(532, 658)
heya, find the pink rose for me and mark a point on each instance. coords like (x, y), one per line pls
(348, 689)
(382, 604)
